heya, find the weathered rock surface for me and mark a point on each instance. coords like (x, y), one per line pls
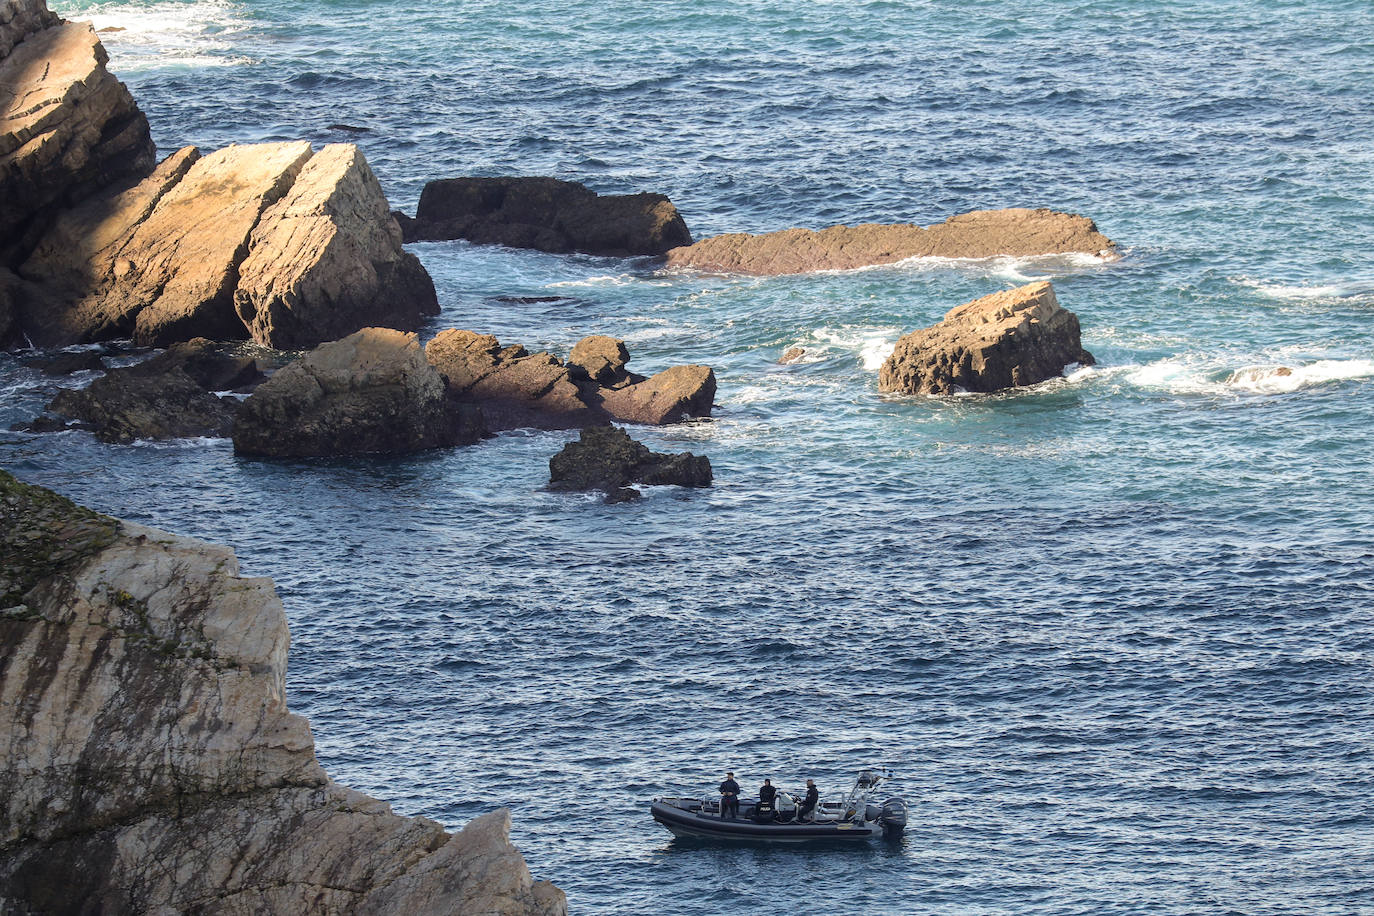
(518, 389)
(606, 458)
(980, 234)
(546, 214)
(212, 366)
(67, 126)
(327, 260)
(128, 404)
(263, 240)
(370, 393)
(672, 395)
(151, 763)
(1016, 337)
(11, 293)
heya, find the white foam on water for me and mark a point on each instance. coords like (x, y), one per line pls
(872, 345)
(1181, 376)
(1299, 292)
(1280, 379)
(606, 280)
(1025, 269)
(165, 33)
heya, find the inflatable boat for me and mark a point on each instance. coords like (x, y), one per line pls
(851, 819)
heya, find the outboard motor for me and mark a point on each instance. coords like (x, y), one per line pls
(893, 818)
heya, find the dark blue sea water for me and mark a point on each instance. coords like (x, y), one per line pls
(1113, 633)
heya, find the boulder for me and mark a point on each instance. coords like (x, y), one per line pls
(546, 214)
(149, 762)
(602, 359)
(792, 355)
(1016, 337)
(518, 389)
(606, 458)
(327, 260)
(981, 234)
(128, 404)
(514, 388)
(670, 396)
(67, 363)
(369, 393)
(67, 126)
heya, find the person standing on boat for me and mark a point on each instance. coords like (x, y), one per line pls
(729, 796)
(767, 793)
(808, 805)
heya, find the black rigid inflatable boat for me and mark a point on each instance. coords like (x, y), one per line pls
(851, 819)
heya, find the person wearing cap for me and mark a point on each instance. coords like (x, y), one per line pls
(808, 805)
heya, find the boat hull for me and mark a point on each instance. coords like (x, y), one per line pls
(685, 823)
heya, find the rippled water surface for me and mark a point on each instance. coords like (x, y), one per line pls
(1112, 633)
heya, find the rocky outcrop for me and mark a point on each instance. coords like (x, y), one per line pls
(11, 293)
(327, 260)
(546, 214)
(151, 763)
(605, 458)
(268, 241)
(980, 234)
(518, 389)
(370, 393)
(169, 396)
(125, 404)
(1017, 337)
(671, 396)
(67, 126)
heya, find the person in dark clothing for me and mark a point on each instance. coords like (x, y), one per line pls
(729, 796)
(808, 805)
(767, 793)
(765, 811)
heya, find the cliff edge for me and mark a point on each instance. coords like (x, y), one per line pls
(151, 764)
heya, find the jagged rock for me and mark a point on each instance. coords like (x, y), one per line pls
(1016, 337)
(369, 393)
(980, 234)
(517, 389)
(208, 364)
(11, 295)
(606, 458)
(126, 404)
(674, 394)
(791, 355)
(546, 214)
(150, 763)
(21, 18)
(327, 260)
(67, 126)
(75, 261)
(602, 358)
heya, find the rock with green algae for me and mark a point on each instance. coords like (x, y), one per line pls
(148, 762)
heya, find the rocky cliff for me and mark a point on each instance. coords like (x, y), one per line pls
(151, 764)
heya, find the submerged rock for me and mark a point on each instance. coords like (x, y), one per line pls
(606, 458)
(1017, 337)
(150, 763)
(546, 214)
(67, 126)
(980, 234)
(369, 393)
(792, 355)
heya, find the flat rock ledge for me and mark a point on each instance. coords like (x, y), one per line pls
(546, 214)
(1017, 232)
(1016, 337)
(518, 389)
(605, 458)
(151, 764)
(372, 392)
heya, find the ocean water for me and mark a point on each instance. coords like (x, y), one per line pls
(1112, 633)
